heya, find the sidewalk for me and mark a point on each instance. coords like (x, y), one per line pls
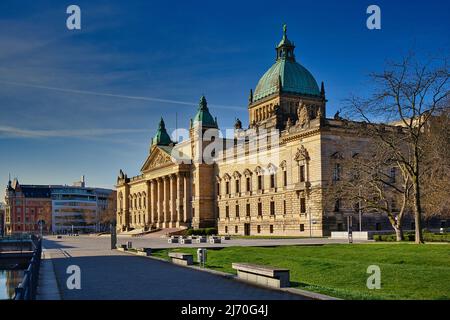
(48, 286)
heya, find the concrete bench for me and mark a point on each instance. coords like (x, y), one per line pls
(122, 247)
(186, 241)
(144, 251)
(184, 259)
(263, 275)
(172, 240)
(201, 240)
(215, 240)
(225, 237)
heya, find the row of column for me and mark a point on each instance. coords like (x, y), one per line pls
(169, 200)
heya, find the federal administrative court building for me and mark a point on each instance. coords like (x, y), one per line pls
(259, 190)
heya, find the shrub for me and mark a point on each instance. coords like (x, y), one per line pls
(202, 232)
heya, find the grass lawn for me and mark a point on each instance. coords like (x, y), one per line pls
(408, 271)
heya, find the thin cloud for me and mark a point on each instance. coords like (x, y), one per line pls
(103, 94)
(68, 133)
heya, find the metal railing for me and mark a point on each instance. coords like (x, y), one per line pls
(26, 290)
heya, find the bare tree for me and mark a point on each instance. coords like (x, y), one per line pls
(372, 181)
(436, 174)
(406, 94)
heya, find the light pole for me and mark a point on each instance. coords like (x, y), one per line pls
(310, 222)
(359, 209)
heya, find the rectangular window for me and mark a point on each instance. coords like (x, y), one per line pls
(302, 173)
(272, 181)
(237, 186)
(248, 209)
(272, 208)
(284, 207)
(302, 205)
(337, 205)
(248, 185)
(259, 209)
(337, 172)
(227, 187)
(258, 229)
(393, 175)
(260, 183)
(237, 210)
(302, 227)
(227, 212)
(271, 228)
(226, 229)
(236, 229)
(285, 178)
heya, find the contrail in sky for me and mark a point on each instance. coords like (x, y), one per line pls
(86, 92)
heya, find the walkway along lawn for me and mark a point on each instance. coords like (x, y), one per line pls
(408, 271)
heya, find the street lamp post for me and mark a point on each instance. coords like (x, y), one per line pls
(359, 210)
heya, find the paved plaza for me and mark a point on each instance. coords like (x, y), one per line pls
(110, 274)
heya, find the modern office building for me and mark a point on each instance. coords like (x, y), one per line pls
(56, 208)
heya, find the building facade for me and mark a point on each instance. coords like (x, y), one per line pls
(2, 219)
(266, 179)
(55, 208)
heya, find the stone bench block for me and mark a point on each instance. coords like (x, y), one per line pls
(263, 275)
(184, 259)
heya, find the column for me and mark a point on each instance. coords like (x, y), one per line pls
(173, 200)
(166, 201)
(187, 198)
(148, 210)
(154, 208)
(179, 202)
(160, 203)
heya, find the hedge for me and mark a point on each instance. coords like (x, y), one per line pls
(409, 236)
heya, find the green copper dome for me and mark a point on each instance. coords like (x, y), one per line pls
(161, 137)
(286, 74)
(203, 115)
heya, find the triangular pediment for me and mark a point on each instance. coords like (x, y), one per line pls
(156, 159)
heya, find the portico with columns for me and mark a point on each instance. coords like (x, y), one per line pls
(162, 196)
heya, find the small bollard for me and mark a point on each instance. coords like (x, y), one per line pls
(201, 256)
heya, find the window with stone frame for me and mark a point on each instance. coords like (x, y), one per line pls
(337, 205)
(248, 184)
(237, 211)
(302, 158)
(302, 205)
(302, 175)
(247, 207)
(285, 178)
(272, 208)
(272, 181)
(260, 209)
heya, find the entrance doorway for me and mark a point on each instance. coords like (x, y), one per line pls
(246, 229)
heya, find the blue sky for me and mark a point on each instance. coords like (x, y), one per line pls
(88, 101)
